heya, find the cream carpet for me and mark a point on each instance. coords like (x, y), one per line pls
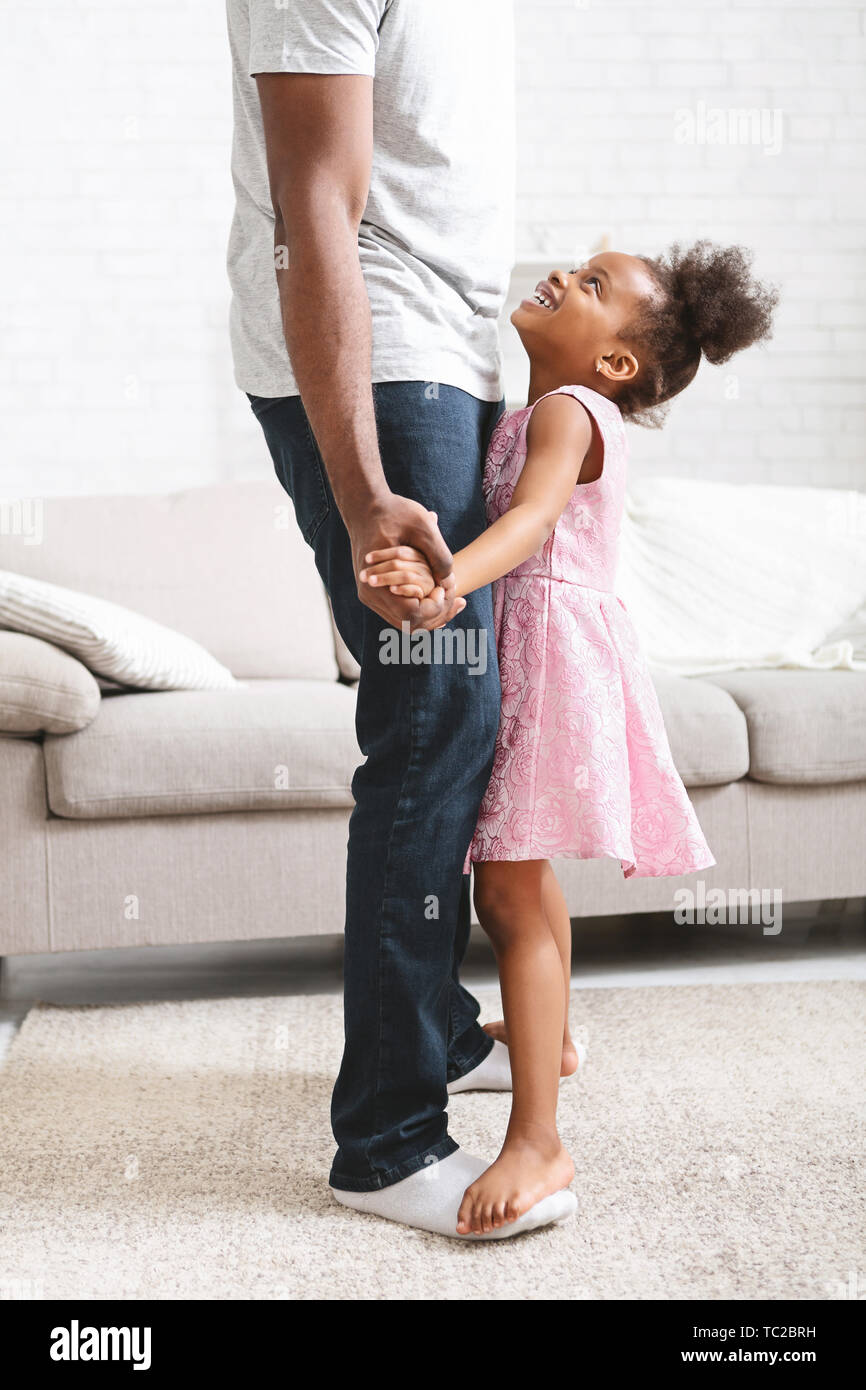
(180, 1150)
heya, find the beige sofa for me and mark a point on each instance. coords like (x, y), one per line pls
(187, 817)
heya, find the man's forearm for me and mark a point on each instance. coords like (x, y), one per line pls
(326, 322)
(319, 138)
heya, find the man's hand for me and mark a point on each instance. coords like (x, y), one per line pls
(393, 522)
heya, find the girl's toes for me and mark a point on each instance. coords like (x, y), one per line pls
(512, 1209)
(499, 1215)
(464, 1215)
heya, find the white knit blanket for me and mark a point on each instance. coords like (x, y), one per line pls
(720, 577)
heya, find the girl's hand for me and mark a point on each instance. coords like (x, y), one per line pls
(400, 568)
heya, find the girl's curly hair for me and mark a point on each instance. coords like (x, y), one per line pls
(708, 305)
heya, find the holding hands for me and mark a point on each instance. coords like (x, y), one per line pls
(406, 572)
(429, 599)
(400, 568)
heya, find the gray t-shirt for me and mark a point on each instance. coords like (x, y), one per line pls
(436, 239)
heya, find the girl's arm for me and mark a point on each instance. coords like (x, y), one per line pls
(558, 438)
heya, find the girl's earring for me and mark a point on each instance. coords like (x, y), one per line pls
(598, 366)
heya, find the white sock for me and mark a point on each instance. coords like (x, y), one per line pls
(494, 1072)
(491, 1074)
(430, 1200)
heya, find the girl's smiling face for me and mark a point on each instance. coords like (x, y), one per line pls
(571, 326)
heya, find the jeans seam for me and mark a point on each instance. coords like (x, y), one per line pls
(385, 880)
(318, 464)
(468, 1065)
(449, 1035)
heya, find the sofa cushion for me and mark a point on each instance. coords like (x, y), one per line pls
(112, 641)
(350, 670)
(273, 745)
(43, 688)
(224, 565)
(804, 726)
(705, 728)
(277, 745)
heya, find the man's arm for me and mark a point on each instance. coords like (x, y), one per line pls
(319, 140)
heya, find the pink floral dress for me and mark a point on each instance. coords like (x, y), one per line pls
(582, 767)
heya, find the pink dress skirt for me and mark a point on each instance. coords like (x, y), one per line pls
(582, 768)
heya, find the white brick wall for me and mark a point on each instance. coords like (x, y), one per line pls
(115, 365)
(116, 198)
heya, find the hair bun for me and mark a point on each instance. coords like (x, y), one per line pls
(724, 309)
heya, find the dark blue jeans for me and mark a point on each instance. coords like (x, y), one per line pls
(427, 732)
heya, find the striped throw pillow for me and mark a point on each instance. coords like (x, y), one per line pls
(113, 642)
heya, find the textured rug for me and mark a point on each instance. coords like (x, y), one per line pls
(180, 1150)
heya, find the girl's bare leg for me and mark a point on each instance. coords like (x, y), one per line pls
(560, 924)
(532, 1163)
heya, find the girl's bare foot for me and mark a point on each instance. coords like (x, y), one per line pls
(532, 1165)
(570, 1055)
(497, 1030)
(570, 1059)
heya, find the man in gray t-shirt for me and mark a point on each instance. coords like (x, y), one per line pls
(369, 254)
(435, 238)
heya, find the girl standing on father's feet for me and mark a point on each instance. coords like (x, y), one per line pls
(582, 768)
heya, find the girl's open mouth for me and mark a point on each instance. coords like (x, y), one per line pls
(543, 297)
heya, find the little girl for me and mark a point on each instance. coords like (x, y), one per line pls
(582, 767)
